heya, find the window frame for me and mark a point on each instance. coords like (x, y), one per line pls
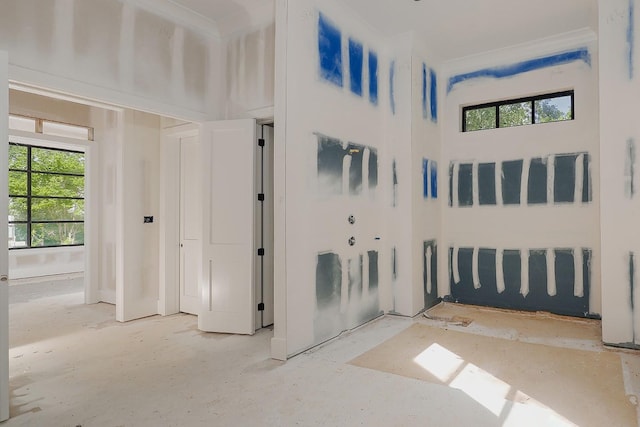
(29, 196)
(527, 99)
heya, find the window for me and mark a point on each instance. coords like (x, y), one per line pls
(552, 107)
(46, 197)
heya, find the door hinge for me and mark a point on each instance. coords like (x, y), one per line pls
(261, 306)
(261, 142)
(261, 252)
(261, 197)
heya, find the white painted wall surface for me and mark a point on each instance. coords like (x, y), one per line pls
(250, 73)
(24, 263)
(166, 61)
(620, 209)
(426, 143)
(535, 226)
(399, 296)
(279, 349)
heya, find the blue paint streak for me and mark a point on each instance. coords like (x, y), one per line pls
(424, 90)
(330, 51)
(581, 54)
(433, 93)
(373, 78)
(425, 178)
(434, 180)
(356, 59)
(631, 37)
(392, 74)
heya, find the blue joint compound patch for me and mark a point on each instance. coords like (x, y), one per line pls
(355, 66)
(433, 93)
(330, 51)
(581, 54)
(373, 78)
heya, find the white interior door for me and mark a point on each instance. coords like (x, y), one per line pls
(4, 251)
(190, 224)
(228, 251)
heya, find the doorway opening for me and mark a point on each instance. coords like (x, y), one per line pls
(181, 246)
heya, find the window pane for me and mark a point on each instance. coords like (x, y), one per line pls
(480, 118)
(57, 185)
(17, 157)
(22, 123)
(553, 109)
(45, 160)
(17, 209)
(56, 234)
(17, 235)
(517, 114)
(69, 131)
(18, 183)
(57, 210)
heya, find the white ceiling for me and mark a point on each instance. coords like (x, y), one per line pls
(228, 15)
(464, 27)
(457, 27)
(219, 10)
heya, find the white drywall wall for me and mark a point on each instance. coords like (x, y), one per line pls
(316, 221)
(117, 52)
(426, 142)
(26, 263)
(544, 226)
(250, 73)
(620, 206)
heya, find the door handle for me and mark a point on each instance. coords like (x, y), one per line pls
(3, 278)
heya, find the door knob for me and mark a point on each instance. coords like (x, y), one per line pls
(352, 241)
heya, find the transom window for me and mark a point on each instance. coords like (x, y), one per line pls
(48, 127)
(46, 197)
(551, 107)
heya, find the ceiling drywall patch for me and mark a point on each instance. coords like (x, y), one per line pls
(511, 70)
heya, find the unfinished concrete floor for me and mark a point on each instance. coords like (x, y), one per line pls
(73, 364)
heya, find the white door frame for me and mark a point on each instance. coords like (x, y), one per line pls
(4, 231)
(169, 300)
